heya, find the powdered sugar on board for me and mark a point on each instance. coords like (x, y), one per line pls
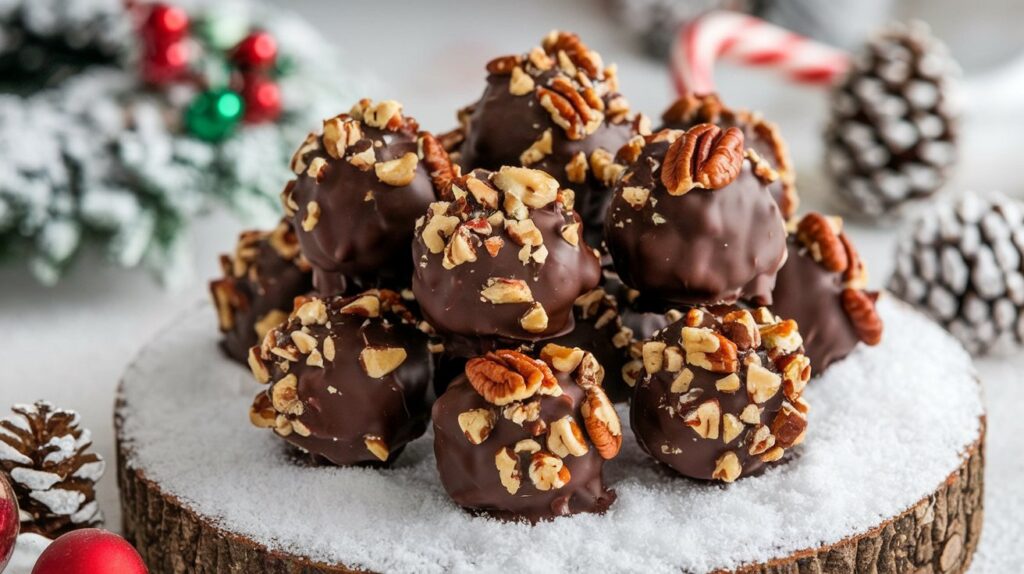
(887, 427)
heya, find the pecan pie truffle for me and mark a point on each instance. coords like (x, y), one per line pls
(556, 109)
(693, 221)
(502, 262)
(821, 287)
(719, 393)
(347, 378)
(523, 438)
(260, 283)
(360, 185)
(762, 137)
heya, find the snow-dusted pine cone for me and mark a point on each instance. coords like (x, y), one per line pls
(963, 264)
(892, 135)
(43, 451)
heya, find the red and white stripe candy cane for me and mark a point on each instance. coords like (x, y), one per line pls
(753, 42)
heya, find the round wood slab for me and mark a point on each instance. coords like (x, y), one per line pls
(889, 480)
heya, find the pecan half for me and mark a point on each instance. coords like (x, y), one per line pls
(575, 49)
(821, 236)
(439, 165)
(705, 157)
(860, 308)
(502, 65)
(506, 376)
(602, 422)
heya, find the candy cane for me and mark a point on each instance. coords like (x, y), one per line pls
(753, 42)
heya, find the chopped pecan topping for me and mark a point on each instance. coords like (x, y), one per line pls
(706, 419)
(705, 157)
(377, 362)
(340, 133)
(535, 320)
(548, 472)
(727, 467)
(398, 172)
(762, 384)
(285, 396)
(363, 306)
(312, 216)
(508, 469)
(565, 438)
(732, 426)
(377, 447)
(538, 150)
(502, 65)
(477, 424)
(500, 291)
(789, 426)
(520, 83)
(564, 359)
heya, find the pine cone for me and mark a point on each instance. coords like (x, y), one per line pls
(893, 132)
(963, 264)
(42, 450)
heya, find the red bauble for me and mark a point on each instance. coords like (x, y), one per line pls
(257, 51)
(90, 551)
(161, 65)
(262, 99)
(164, 25)
(10, 521)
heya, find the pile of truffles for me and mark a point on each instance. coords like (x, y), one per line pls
(513, 279)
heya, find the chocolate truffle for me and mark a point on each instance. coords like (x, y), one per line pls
(260, 283)
(523, 438)
(502, 262)
(599, 330)
(347, 378)
(761, 136)
(821, 287)
(360, 185)
(719, 393)
(693, 221)
(557, 109)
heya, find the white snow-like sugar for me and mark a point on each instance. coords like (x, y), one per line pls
(912, 403)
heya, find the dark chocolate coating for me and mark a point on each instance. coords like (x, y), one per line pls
(760, 135)
(657, 415)
(342, 404)
(714, 246)
(261, 280)
(365, 225)
(469, 474)
(451, 299)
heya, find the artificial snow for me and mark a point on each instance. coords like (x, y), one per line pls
(887, 427)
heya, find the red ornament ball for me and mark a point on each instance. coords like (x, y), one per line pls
(262, 99)
(257, 51)
(165, 24)
(10, 521)
(164, 64)
(90, 551)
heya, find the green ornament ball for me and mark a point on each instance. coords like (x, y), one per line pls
(213, 115)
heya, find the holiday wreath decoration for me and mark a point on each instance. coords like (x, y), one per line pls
(121, 121)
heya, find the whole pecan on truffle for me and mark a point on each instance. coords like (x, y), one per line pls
(506, 376)
(705, 156)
